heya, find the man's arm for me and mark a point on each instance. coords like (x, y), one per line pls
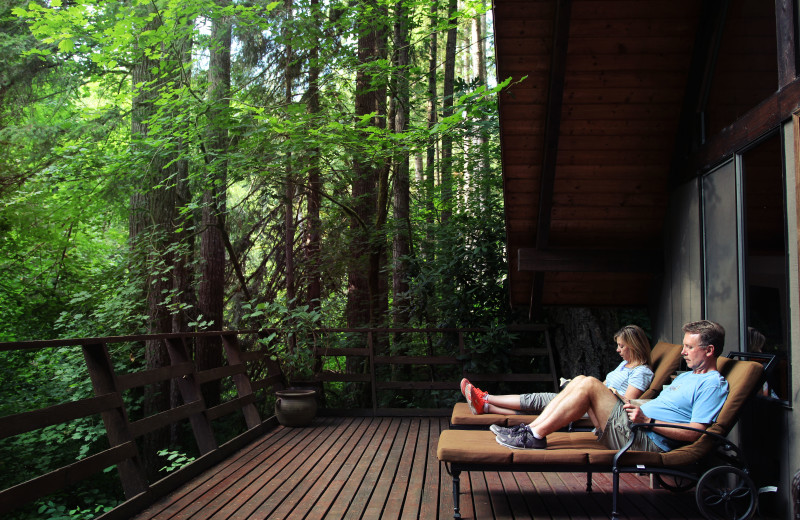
(635, 415)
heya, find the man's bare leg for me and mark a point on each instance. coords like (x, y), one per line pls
(555, 403)
(588, 395)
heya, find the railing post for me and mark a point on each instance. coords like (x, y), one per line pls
(242, 381)
(373, 379)
(101, 373)
(190, 392)
(461, 351)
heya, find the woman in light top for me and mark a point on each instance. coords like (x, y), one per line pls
(628, 381)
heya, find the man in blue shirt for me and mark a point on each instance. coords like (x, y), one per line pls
(693, 399)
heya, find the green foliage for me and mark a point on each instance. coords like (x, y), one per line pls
(74, 168)
(293, 345)
(174, 460)
(85, 505)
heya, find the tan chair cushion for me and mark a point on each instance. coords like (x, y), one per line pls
(562, 448)
(743, 378)
(463, 416)
(471, 446)
(665, 359)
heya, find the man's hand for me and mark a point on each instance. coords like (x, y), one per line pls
(634, 412)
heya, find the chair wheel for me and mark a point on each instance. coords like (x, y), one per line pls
(726, 492)
(674, 483)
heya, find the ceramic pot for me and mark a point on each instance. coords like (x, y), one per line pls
(296, 406)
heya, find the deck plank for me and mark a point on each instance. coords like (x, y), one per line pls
(336, 498)
(533, 501)
(395, 501)
(413, 498)
(368, 487)
(270, 474)
(290, 493)
(430, 490)
(384, 479)
(306, 493)
(381, 467)
(326, 471)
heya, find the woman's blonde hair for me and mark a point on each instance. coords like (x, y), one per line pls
(637, 341)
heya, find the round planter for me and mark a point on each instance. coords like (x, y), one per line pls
(296, 406)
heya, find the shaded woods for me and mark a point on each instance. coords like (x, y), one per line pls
(212, 164)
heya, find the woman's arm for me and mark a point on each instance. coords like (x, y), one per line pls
(632, 393)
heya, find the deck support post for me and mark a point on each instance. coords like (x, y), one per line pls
(456, 493)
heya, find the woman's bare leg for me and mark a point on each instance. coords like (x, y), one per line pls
(500, 410)
(507, 404)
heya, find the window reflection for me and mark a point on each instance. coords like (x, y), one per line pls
(765, 259)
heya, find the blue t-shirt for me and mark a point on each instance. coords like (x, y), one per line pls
(639, 377)
(690, 398)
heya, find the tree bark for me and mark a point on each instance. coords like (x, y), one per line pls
(401, 195)
(479, 63)
(212, 242)
(433, 104)
(583, 339)
(313, 197)
(152, 231)
(447, 110)
(363, 297)
(288, 217)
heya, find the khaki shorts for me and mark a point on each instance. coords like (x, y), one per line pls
(617, 432)
(535, 402)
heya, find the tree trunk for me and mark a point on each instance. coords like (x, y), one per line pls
(583, 339)
(364, 306)
(288, 217)
(364, 270)
(152, 226)
(313, 197)
(185, 295)
(447, 111)
(479, 63)
(401, 195)
(212, 241)
(433, 104)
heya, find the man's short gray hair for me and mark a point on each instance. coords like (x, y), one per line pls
(711, 333)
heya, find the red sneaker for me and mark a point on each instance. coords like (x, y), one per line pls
(464, 383)
(476, 399)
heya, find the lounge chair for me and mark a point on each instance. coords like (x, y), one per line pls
(712, 462)
(665, 359)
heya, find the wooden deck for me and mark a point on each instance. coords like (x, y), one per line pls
(386, 467)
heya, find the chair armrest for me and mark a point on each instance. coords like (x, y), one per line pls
(720, 440)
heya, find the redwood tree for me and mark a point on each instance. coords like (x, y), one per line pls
(211, 290)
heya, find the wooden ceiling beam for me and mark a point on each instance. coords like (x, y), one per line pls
(767, 116)
(590, 260)
(552, 129)
(785, 16)
(761, 119)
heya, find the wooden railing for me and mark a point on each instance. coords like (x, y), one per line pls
(252, 371)
(376, 353)
(122, 433)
